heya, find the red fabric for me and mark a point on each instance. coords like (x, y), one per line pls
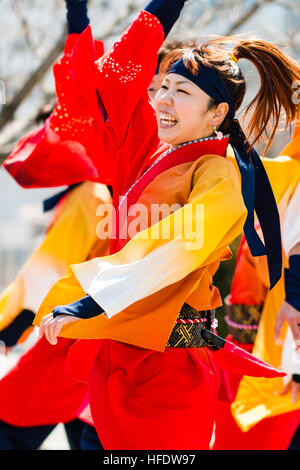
(142, 399)
(61, 151)
(233, 379)
(84, 411)
(236, 360)
(81, 355)
(137, 394)
(78, 141)
(41, 144)
(273, 433)
(37, 391)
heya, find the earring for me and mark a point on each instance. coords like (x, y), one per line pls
(219, 134)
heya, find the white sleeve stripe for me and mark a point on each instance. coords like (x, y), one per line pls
(115, 287)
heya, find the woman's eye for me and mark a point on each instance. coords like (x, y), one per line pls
(183, 91)
(164, 87)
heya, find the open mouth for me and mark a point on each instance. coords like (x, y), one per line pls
(166, 121)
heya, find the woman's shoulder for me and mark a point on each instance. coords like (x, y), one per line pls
(212, 165)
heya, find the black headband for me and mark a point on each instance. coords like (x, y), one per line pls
(209, 80)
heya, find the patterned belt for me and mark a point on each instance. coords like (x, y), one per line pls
(242, 321)
(189, 328)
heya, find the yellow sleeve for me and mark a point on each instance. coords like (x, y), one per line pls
(149, 262)
(190, 238)
(69, 240)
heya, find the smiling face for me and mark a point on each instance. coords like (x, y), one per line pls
(183, 113)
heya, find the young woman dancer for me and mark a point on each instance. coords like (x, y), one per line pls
(148, 374)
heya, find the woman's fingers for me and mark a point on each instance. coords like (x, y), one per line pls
(51, 326)
(52, 329)
(48, 329)
(43, 324)
(61, 321)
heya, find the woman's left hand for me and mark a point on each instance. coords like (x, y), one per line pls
(50, 326)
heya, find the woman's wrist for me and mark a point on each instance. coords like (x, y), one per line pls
(77, 16)
(166, 11)
(83, 308)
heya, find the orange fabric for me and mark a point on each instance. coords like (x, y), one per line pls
(216, 185)
(247, 287)
(68, 289)
(292, 149)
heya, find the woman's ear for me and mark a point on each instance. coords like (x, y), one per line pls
(219, 114)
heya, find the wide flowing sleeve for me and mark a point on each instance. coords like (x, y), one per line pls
(151, 261)
(98, 98)
(125, 72)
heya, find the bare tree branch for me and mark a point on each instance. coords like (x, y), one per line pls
(289, 5)
(25, 27)
(5, 150)
(9, 109)
(246, 16)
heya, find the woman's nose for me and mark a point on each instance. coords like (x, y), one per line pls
(166, 97)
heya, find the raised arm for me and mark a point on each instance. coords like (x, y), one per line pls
(77, 16)
(125, 72)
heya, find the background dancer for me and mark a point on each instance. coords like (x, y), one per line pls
(274, 428)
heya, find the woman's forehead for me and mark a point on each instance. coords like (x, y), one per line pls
(177, 79)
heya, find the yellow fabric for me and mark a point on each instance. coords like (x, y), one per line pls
(69, 240)
(148, 322)
(259, 398)
(283, 171)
